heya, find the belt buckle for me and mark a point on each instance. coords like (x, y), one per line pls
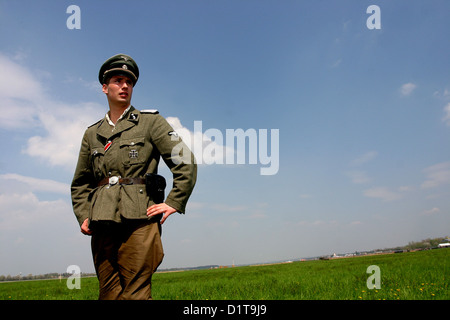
(113, 180)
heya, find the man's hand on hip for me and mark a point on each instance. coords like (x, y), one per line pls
(160, 208)
(85, 228)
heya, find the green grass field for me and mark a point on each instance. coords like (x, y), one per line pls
(422, 275)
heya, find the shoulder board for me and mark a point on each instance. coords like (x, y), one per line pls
(152, 111)
(95, 123)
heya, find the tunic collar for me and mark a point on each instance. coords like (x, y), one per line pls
(120, 118)
(107, 130)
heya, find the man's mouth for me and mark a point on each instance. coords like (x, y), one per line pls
(123, 94)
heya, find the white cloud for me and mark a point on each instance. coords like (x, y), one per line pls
(407, 88)
(20, 206)
(430, 212)
(382, 193)
(337, 63)
(39, 236)
(437, 175)
(35, 184)
(26, 105)
(446, 117)
(64, 126)
(228, 208)
(91, 85)
(317, 223)
(26, 210)
(358, 177)
(20, 82)
(20, 99)
(406, 188)
(442, 95)
(364, 158)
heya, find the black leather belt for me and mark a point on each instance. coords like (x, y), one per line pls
(118, 180)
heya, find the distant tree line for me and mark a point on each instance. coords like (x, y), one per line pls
(426, 244)
(30, 276)
(429, 243)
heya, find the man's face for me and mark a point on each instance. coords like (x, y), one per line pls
(119, 90)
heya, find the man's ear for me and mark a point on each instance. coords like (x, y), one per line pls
(105, 88)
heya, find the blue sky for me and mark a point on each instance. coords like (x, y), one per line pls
(363, 118)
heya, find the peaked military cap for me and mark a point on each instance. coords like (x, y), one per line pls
(119, 64)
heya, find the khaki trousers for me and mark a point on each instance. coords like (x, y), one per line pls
(125, 257)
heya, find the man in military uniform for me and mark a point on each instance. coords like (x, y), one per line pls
(113, 188)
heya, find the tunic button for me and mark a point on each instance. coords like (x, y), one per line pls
(141, 191)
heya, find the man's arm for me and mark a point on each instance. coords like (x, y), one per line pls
(181, 163)
(82, 185)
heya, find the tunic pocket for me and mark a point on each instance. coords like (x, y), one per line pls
(133, 151)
